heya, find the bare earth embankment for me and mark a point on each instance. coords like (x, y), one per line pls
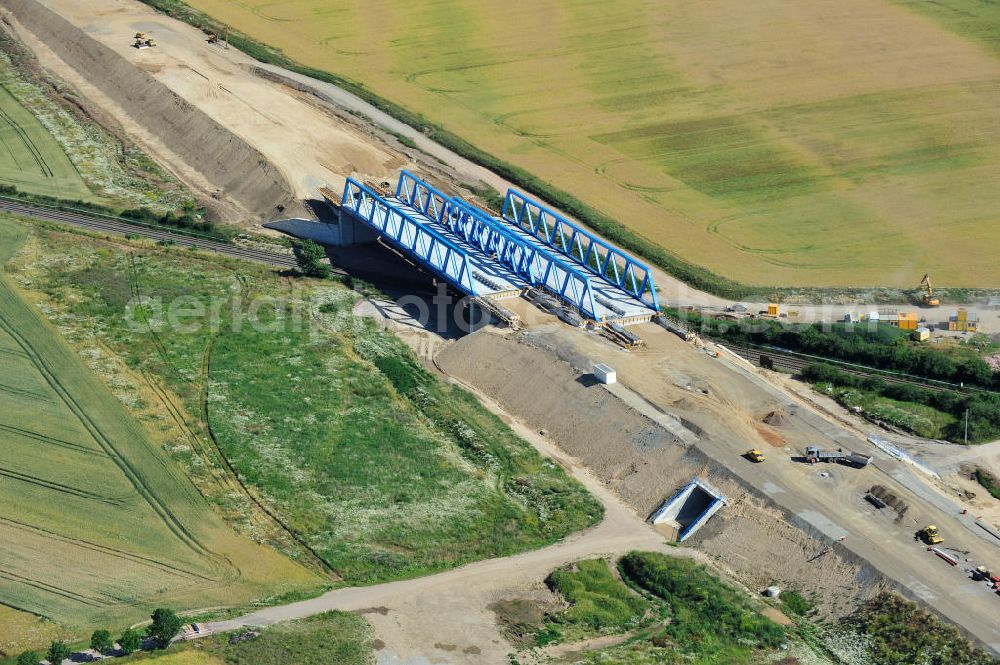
(248, 145)
(783, 515)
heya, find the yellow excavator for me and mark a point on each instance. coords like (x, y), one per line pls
(754, 455)
(928, 295)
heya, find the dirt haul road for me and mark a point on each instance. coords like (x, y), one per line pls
(307, 145)
(725, 403)
(445, 618)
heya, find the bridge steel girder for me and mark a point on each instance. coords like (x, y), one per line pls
(595, 255)
(531, 263)
(492, 237)
(434, 251)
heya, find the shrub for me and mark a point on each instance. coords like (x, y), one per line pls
(28, 657)
(597, 600)
(795, 602)
(130, 641)
(164, 628)
(101, 641)
(708, 616)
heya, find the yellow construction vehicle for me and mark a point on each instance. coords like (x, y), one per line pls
(929, 534)
(754, 455)
(928, 296)
(142, 41)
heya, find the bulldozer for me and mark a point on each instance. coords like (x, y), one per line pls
(754, 455)
(927, 297)
(929, 534)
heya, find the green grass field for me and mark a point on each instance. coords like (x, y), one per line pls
(823, 145)
(97, 526)
(379, 470)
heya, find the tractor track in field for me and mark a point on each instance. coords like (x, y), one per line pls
(50, 588)
(170, 520)
(23, 392)
(104, 549)
(233, 474)
(29, 145)
(212, 453)
(76, 447)
(59, 487)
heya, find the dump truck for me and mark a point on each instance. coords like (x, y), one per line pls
(754, 455)
(857, 460)
(929, 534)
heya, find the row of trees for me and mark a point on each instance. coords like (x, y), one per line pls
(877, 346)
(164, 628)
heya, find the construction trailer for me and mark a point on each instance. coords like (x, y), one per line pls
(962, 320)
(922, 334)
(907, 321)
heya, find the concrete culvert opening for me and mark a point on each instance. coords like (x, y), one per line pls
(680, 516)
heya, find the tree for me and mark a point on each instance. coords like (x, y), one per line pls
(309, 257)
(130, 641)
(165, 627)
(58, 652)
(28, 658)
(101, 641)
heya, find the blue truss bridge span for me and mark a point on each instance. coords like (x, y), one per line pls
(496, 256)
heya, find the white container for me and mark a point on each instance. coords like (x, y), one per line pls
(605, 374)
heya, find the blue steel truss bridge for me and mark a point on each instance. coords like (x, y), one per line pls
(491, 256)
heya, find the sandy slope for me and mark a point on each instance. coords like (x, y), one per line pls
(307, 144)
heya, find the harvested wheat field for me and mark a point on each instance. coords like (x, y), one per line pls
(819, 143)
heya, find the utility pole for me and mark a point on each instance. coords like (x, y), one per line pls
(966, 427)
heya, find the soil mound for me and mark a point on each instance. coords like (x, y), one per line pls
(776, 418)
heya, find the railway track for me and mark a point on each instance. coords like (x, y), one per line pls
(116, 226)
(790, 362)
